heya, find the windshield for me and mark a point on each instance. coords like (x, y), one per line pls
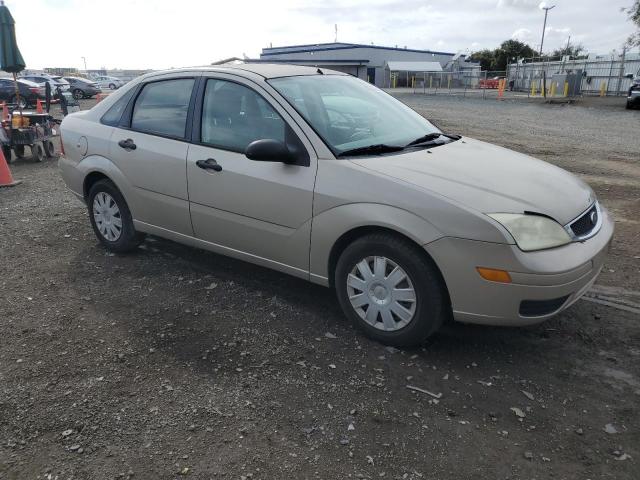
(348, 113)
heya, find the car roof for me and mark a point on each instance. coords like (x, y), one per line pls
(266, 70)
(26, 82)
(78, 78)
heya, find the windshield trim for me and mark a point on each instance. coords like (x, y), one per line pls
(336, 153)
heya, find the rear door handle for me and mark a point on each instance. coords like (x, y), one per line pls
(209, 164)
(127, 144)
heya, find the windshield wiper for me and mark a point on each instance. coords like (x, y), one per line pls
(371, 149)
(429, 137)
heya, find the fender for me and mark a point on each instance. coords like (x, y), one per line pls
(332, 224)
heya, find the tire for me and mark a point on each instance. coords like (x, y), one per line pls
(6, 151)
(37, 152)
(49, 148)
(23, 101)
(19, 151)
(78, 94)
(112, 86)
(429, 307)
(103, 196)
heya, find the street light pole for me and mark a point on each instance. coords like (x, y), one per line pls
(84, 59)
(544, 27)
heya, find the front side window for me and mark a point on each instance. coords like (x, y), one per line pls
(233, 116)
(161, 108)
(349, 113)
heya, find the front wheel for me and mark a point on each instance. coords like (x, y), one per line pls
(21, 103)
(391, 290)
(111, 219)
(112, 86)
(78, 94)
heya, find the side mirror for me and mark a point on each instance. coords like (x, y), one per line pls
(628, 75)
(270, 150)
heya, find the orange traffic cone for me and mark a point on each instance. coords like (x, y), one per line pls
(6, 180)
(39, 108)
(5, 112)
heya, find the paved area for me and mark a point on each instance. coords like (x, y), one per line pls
(177, 363)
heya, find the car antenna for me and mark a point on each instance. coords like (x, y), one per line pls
(320, 72)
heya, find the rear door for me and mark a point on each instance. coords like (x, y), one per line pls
(252, 209)
(7, 89)
(149, 146)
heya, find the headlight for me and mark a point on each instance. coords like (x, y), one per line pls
(533, 232)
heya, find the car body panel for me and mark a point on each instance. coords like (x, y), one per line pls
(519, 183)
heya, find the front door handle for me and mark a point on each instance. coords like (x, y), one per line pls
(209, 164)
(127, 144)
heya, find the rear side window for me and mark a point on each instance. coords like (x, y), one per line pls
(114, 114)
(161, 107)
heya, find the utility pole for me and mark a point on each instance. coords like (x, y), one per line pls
(336, 37)
(84, 59)
(566, 50)
(544, 26)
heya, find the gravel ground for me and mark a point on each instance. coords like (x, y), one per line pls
(177, 363)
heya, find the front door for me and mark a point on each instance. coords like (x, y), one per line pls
(254, 210)
(150, 148)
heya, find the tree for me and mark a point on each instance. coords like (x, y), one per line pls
(486, 58)
(506, 53)
(572, 50)
(634, 15)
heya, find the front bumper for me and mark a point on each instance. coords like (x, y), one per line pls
(550, 280)
(633, 98)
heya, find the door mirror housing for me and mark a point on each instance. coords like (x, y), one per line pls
(270, 150)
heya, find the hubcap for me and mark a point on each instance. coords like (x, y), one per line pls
(382, 293)
(107, 216)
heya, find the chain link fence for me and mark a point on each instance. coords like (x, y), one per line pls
(601, 76)
(472, 82)
(561, 78)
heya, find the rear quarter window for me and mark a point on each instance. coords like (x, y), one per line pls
(114, 114)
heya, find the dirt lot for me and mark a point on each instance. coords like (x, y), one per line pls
(177, 363)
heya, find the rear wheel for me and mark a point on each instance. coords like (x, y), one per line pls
(112, 86)
(391, 290)
(111, 218)
(49, 148)
(78, 94)
(19, 151)
(37, 152)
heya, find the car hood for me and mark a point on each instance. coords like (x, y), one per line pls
(489, 179)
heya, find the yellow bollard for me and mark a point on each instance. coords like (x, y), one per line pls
(553, 89)
(566, 89)
(394, 82)
(430, 81)
(533, 88)
(603, 87)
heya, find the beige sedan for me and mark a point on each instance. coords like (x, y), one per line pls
(323, 176)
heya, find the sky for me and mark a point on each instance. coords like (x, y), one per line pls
(176, 33)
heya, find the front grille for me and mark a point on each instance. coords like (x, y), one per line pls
(586, 223)
(537, 308)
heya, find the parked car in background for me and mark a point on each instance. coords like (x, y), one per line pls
(29, 92)
(633, 97)
(111, 83)
(53, 80)
(323, 176)
(82, 87)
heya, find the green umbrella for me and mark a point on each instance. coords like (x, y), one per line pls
(10, 58)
